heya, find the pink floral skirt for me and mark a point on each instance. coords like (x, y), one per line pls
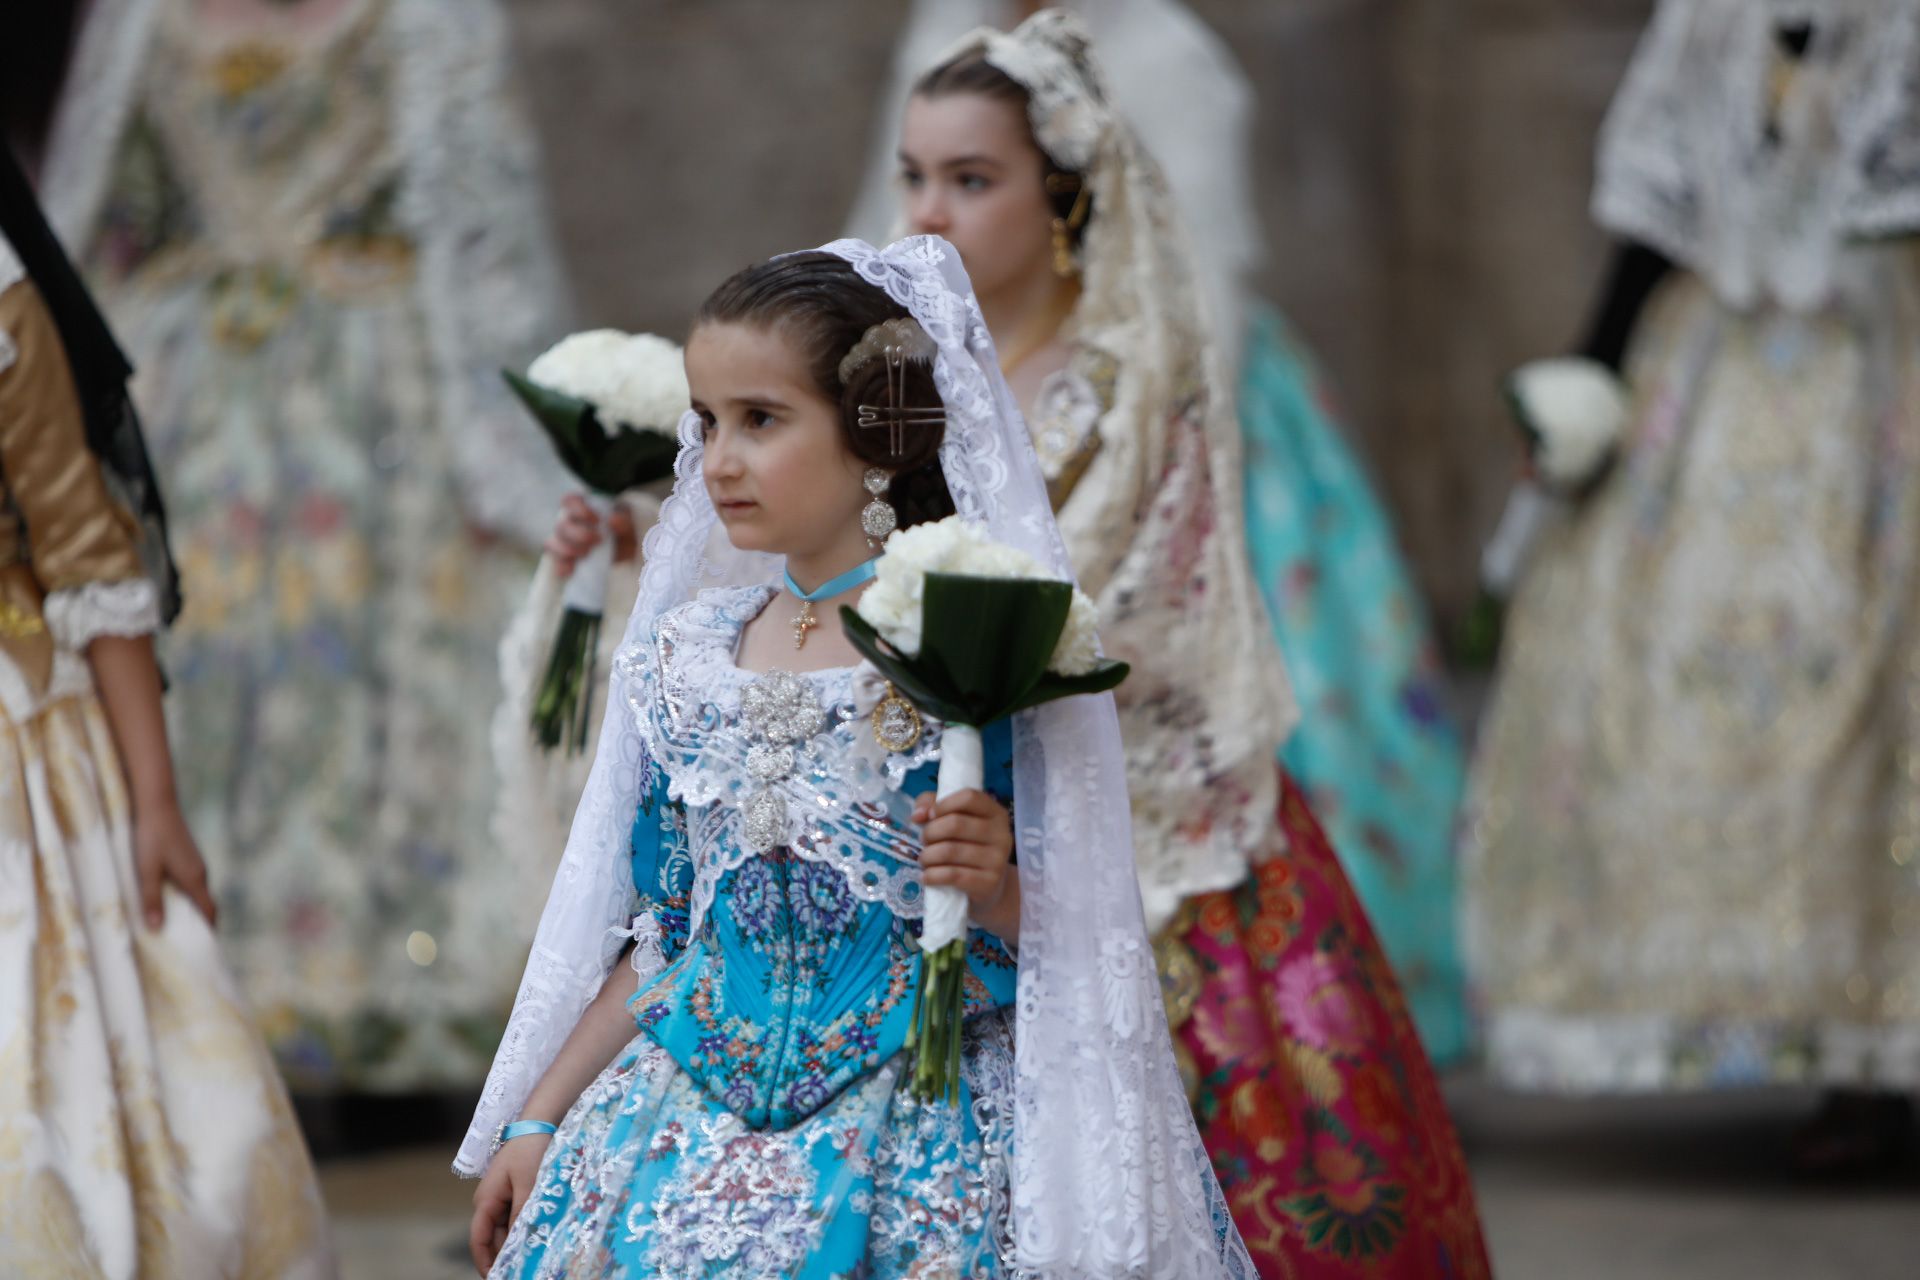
(1321, 1111)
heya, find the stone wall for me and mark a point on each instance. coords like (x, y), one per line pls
(1424, 174)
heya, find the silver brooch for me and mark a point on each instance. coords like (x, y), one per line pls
(780, 710)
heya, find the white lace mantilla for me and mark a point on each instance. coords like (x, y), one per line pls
(1757, 169)
(807, 761)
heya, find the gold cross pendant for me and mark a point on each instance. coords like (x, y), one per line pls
(803, 624)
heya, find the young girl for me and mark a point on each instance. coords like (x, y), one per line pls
(1380, 763)
(1321, 1112)
(743, 1111)
(143, 1130)
(1284, 1007)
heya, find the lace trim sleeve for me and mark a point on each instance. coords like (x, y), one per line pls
(79, 615)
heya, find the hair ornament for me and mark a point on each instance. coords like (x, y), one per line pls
(895, 342)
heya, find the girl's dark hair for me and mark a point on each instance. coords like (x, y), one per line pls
(971, 73)
(818, 303)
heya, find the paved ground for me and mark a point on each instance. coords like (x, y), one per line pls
(1667, 1189)
(1688, 1189)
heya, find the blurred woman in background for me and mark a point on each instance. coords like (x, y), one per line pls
(316, 225)
(1694, 837)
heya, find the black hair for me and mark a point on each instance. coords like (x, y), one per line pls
(818, 302)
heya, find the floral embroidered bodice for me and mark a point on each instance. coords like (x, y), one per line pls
(774, 849)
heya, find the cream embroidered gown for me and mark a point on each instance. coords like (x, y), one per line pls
(1694, 823)
(1695, 829)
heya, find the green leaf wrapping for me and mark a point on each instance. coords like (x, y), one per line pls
(984, 648)
(606, 462)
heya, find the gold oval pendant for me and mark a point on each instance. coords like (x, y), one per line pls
(896, 722)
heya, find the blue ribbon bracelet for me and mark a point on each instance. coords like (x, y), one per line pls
(520, 1129)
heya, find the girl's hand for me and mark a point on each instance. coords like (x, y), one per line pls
(164, 853)
(578, 530)
(501, 1194)
(967, 844)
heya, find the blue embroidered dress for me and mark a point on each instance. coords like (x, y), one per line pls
(758, 1124)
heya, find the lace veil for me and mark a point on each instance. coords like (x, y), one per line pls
(1110, 1177)
(1761, 196)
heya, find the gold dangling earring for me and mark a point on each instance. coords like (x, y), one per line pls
(1064, 264)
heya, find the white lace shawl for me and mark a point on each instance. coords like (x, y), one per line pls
(1155, 524)
(1110, 1178)
(488, 280)
(1686, 163)
(1173, 79)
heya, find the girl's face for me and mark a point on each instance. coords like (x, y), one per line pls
(775, 465)
(971, 172)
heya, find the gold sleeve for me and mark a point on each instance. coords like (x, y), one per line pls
(76, 533)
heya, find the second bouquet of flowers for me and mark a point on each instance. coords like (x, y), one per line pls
(610, 403)
(970, 631)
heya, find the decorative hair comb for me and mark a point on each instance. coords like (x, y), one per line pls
(896, 342)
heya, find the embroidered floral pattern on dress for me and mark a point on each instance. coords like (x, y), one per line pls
(649, 1175)
(1323, 1117)
(790, 985)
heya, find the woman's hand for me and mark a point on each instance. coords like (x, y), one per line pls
(967, 844)
(578, 530)
(501, 1194)
(164, 853)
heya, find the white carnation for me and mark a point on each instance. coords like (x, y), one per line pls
(633, 381)
(1578, 409)
(893, 603)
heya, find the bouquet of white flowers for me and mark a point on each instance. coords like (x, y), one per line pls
(970, 631)
(1573, 411)
(611, 405)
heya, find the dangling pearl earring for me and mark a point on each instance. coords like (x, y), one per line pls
(878, 518)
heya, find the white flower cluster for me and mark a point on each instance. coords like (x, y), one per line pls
(1578, 410)
(893, 603)
(636, 381)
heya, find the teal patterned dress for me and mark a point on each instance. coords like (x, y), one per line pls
(1377, 756)
(758, 1123)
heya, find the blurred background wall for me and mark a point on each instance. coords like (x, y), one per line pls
(1424, 168)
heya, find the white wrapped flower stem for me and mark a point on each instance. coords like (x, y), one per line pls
(586, 590)
(939, 1007)
(962, 768)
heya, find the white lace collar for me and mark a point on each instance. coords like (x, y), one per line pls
(773, 759)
